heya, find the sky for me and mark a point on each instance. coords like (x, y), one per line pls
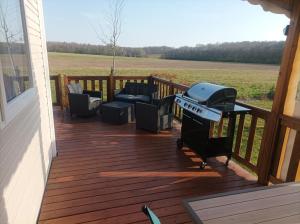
(171, 23)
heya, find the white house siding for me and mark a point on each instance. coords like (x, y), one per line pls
(27, 144)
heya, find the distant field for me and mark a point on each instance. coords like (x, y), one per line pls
(253, 81)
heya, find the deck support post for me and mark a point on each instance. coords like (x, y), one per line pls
(280, 99)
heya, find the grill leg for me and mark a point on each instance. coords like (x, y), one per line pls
(228, 159)
(179, 143)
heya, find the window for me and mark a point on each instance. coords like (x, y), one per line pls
(14, 57)
(16, 84)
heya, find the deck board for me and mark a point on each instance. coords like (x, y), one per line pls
(105, 173)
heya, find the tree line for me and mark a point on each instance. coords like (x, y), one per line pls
(265, 52)
(77, 48)
(244, 52)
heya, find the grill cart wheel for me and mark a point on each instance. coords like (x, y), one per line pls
(179, 143)
(203, 165)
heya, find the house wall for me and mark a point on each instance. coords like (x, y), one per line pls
(27, 143)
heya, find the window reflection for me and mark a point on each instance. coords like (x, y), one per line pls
(13, 51)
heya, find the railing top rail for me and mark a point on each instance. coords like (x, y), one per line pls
(290, 122)
(175, 85)
(257, 111)
(75, 77)
(130, 77)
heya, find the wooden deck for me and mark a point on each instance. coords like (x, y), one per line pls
(105, 173)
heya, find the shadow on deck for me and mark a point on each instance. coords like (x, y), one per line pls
(105, 173)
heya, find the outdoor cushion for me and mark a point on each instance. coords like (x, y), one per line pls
(143, 89)
(79, 88)
(131, 88)
(71, 89)
(132, 98)
(142, 98)
(94, 102)
(75, 88)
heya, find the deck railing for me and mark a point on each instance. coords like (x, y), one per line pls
(56, 90)
(249, 131)
(288, 125)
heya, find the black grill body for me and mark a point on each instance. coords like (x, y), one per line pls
(203, 104)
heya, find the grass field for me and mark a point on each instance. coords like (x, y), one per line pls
(252, 81)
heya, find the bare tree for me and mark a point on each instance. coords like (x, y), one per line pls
(10, 36)
(7, 35)
(110, 31)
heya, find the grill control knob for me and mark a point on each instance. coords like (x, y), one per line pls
(199, 110)
(189, 106)
(185, 104)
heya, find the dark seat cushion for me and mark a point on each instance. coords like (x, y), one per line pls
(132, 98)
(131, 88)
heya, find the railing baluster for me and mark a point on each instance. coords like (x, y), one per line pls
(294, 162)
(180, 113)
(101, 85)
(93, 85)
(239, 134)
(211, 130)
(220, 128)
(251, 138)
(277, 162)
(121, 84)
(85, 84)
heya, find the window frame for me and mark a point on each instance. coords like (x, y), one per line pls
(9, 110)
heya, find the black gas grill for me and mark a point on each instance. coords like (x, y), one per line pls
(203, 104)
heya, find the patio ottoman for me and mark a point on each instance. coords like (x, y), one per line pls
(117, 112)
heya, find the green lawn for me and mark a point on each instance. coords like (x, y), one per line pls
(252, 81)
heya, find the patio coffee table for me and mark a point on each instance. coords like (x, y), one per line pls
(117, 112)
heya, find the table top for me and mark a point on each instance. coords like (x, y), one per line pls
(117, 104)
(275, 204)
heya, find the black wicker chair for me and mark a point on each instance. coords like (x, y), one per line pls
(156, 116)
(83, 103)
(136, 92)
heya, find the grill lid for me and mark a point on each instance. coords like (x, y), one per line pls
(211, 94)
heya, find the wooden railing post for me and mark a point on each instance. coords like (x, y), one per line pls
(150, 80)
(171, 88)
(280, 99)
(110, 88)
(59, 95)
(64, 91)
